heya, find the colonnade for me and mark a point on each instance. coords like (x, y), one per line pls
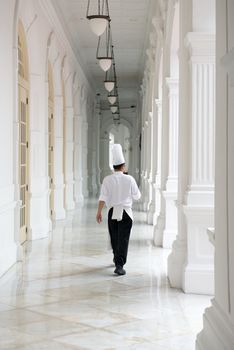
(178, 128)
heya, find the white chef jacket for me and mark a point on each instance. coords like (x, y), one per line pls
(117, 191)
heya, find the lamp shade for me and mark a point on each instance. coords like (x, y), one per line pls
(109, 85)
(98, 24)
(114, 109)
(112, 99)
(105, 63)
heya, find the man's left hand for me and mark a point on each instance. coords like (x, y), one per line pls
(99, 217)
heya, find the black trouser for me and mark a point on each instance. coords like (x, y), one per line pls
(119, 234)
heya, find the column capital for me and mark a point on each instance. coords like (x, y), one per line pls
(201, 46)
(227, 63)
(172, 85)
(158, 24)
(158, 103)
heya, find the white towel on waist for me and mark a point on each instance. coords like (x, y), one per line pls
(117, 212)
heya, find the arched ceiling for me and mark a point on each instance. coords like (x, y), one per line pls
(131, 22)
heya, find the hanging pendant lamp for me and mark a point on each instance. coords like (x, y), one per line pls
(114, 108)
(104, 55)
(105, 63)
(109, 81)
(112, 98)
(109, 85)
(99, 16)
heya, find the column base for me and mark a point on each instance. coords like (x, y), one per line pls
(69, 194)
(40, 231)
(86, 194)
(59, 212)
(150, 215)
(175, 263)
(59, 215)
(70, 206)
(199, 269)
(78, 196)
(145, 199)
(152, 206)
(39, 222)
(158, 230)
(218, 331)
(170, 232)
(199, 279)
(79, 199)
(169, 236)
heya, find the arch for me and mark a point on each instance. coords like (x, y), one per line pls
(23, 70)
(50, 83)
(106, 126)
(67, 77)
(54, 57)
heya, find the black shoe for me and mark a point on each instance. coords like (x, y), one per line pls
(119, 270)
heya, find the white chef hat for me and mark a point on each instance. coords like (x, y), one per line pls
(117, 154)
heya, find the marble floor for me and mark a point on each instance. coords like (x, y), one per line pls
(65, 296)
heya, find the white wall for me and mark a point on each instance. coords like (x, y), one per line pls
(8, 244)
(45, 40)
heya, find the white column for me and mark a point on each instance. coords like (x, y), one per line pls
(40, 222)
(59, 211)
(170, 195)
(85, 158)
(150, 134)
(104, 156)
(145, 149)
(158, 217)
(98, 170)
(142, 185)
(69, 168)
(148, 162)
(154, 154)
(78, 193)
(218, 329)
(197, 205)
(94, 159)
(199, 201)
(90, 155)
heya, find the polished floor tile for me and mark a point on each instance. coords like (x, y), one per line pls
(64, 295)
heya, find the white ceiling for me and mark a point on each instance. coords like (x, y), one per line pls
(130, 22)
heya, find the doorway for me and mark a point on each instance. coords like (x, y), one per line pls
(23, 110)
(51, 139)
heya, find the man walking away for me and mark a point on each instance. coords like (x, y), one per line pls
(117, 192)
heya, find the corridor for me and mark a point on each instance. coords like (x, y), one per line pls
(64, 294)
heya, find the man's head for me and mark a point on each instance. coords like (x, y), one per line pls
(120, 167)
